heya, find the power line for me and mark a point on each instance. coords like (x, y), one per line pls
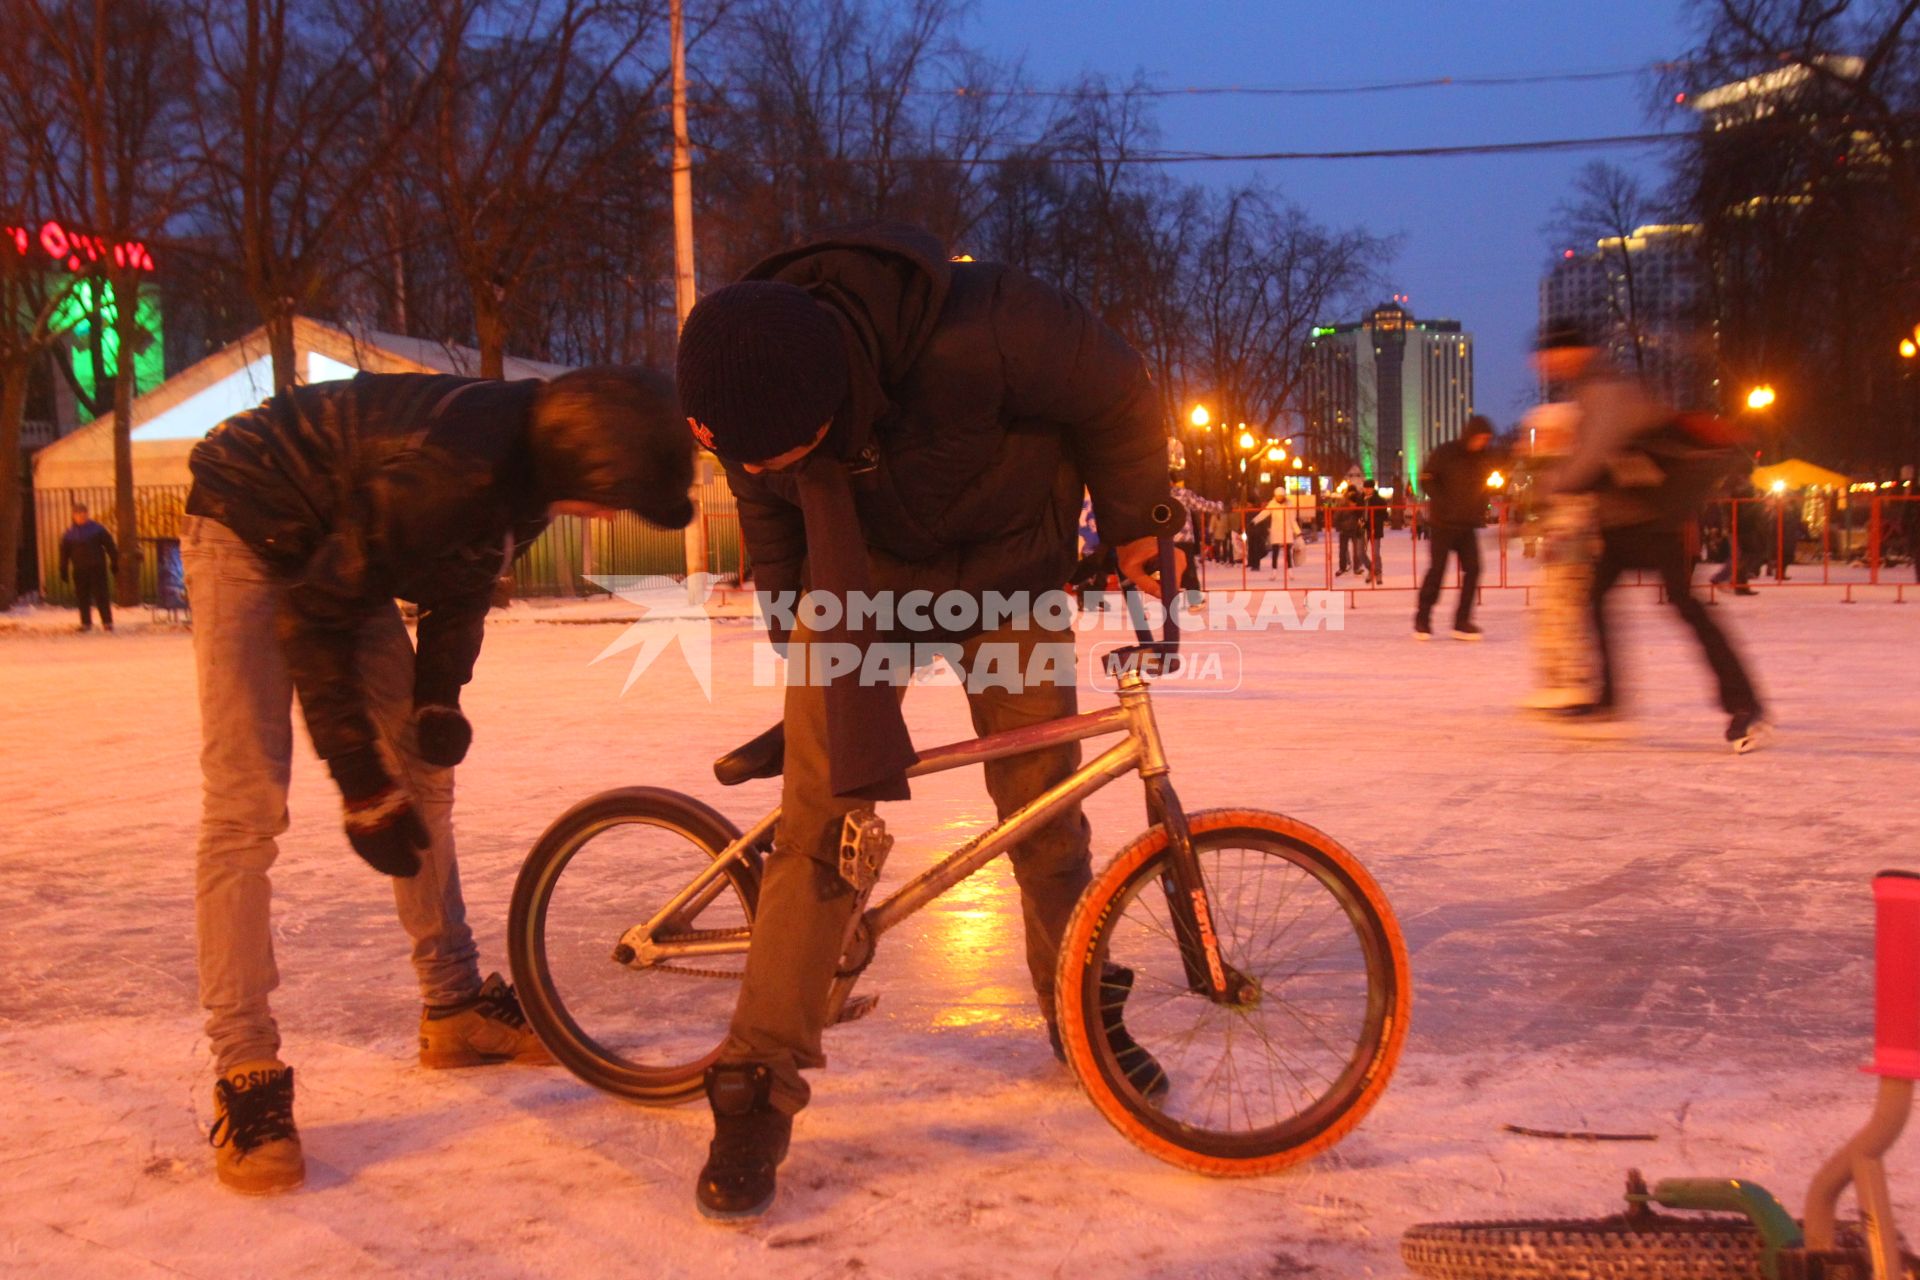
(1041, 156)
(1321, 90)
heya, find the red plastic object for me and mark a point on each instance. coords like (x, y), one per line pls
(1896, 983)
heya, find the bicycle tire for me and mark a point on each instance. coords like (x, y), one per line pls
(547, 1012)
(1383, 1025)
(1658, 1247)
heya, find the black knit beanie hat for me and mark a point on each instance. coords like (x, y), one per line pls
(762, 367)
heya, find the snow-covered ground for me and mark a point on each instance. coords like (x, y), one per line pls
(1640, 933)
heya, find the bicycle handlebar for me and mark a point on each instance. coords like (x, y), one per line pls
(1163, 649)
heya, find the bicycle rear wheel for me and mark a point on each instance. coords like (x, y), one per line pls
(1265, 1084)
(606, 865)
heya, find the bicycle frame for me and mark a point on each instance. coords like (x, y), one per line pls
(653, 942)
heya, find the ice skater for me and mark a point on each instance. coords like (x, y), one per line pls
(307, 518)
(1650, 469)
(893, 421)
(90, 560)
(1455, 482)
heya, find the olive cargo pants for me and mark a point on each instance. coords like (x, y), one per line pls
(805, 907)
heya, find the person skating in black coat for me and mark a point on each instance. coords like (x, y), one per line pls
(1455, 482)
(89, 559)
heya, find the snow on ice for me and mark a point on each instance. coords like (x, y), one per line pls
(1635, 933)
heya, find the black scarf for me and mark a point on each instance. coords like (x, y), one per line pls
(868, 747)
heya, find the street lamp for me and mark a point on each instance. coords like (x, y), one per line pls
(1278, 453)
(1761, 397)
(1907, 349)
(1247, 442)
(1200, 417)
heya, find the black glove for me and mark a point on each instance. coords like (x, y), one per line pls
(444, 735)
(381, 823)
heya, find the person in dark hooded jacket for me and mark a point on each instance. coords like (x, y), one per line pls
(308, 517)
(894, 422)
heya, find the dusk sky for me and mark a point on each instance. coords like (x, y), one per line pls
(1472, 246)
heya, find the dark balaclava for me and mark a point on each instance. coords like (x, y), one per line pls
(762, 367)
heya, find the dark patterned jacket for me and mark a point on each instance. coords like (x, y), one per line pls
(411, 486)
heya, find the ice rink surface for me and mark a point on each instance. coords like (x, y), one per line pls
(1639, 932)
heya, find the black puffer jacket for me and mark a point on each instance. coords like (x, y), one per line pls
(414, 486)
(1455, 482)
(982, 402)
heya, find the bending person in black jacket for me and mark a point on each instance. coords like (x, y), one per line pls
(897, 423)
(89, 559)
(307, 518)
(1455, 482)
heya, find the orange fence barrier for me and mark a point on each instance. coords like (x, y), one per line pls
(1759, 543)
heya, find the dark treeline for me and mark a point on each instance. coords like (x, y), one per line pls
(494, 173)
(1801, 175)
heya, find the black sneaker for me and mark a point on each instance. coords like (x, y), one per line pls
(1467, 631)
(1142, 1069)
(750, 1140)
(1746, 731)
(1422, 629)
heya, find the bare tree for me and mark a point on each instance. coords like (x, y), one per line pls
(33, 296)
(538, 120)
(113, 157)
(305, 104)
(1607, 206)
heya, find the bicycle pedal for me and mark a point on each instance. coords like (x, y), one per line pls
(857, 1008)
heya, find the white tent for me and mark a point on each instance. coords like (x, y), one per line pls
(169, 419)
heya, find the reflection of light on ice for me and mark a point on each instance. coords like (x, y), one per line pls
(975, 932)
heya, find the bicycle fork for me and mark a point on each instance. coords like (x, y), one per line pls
(1207, 972)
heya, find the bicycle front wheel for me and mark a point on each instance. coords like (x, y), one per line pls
(643, 1031)
(1279, 1076)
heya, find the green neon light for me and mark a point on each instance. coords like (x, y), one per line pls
(88, 305)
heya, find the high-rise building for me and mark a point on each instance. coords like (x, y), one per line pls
(1644, 285)
(1383, 392)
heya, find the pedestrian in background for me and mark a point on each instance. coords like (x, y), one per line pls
(1455, 481)
(90, 560)
(1374, 514)
(1282, 525)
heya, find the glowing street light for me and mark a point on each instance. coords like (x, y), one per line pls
(1908, 349)
(1200, 417)
(1247, 442)
(1298, 462)
(1496, 481)
(1277, 454)
(1761, 397)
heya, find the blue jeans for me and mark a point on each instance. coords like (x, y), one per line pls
(246, 731)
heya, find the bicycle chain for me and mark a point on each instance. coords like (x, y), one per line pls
(704, 935)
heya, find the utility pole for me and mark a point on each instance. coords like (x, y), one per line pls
(683, 283)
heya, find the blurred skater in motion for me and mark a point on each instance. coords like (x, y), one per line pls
(307, 518)
(1455, 481)
(1562, 646)
(1649, 469)
(89, 559)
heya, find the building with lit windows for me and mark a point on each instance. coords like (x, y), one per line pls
(1645, 285)
(1385, 391)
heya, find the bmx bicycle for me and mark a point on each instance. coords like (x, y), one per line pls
(1754, 1237)
(1270, 976)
